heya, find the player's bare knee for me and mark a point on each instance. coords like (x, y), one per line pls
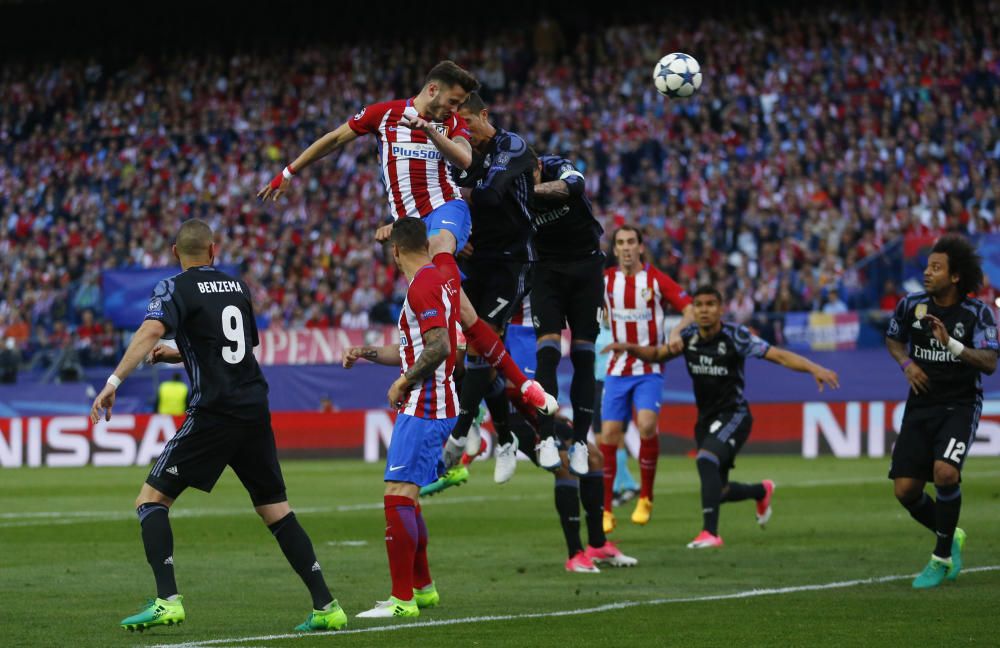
(945, 474)
(149, 495)
(907, 491)
(271, 513)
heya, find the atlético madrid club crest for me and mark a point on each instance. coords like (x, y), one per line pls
(645, 294)
(920, 311)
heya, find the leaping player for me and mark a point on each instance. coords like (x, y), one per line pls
(417, 138)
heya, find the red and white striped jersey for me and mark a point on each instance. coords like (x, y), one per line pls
(635, 306)
(430, 303)
(414, 171)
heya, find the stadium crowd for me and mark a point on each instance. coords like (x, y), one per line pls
(818, 138)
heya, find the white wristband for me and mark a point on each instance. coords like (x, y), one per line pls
(286, 174)
(114, 381)
(955, 347)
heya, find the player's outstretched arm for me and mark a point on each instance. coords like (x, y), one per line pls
(139, 348)
(319, 149)
(660, 353)
(384, 355)
(984, 360)
(795, 362)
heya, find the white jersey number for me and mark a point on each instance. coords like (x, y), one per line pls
(232, 328)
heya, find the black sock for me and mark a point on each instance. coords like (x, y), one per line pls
(475, 386)
(568, 507)
(946, 510)
(298, 549)
(158, 540)
(527, 439)
(711, 493)
(581, 390)
(548, 355)
(923, 511)
(499, 406)
(592, 498)
(738, 492)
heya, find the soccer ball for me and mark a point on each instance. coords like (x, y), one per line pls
(677, 75)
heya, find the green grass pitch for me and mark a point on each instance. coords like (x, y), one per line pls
(72, 564)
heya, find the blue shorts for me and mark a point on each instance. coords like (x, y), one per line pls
(622, 392)
(521, 344)
(414, 454)
(453, 216)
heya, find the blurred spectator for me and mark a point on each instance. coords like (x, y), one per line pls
(890, 296)
(18, 329)
(355, 318)
(741, 307)
(10, 361)
(86, 334)
(834, 304)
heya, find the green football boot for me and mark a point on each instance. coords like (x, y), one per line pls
(957, 545)
(426, 597)
(933, 573)
(454, 477)
(331, 619)
(155, 612)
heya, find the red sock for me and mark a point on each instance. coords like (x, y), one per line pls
(401, 543)
(610, 470)
(649, 454)
(445, 263)
(421, 570)
(488, 344)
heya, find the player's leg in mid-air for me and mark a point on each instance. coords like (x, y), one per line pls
(932, 445)
(448, 230)
(568, 293)
(719, 439)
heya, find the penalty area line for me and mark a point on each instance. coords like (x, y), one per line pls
(794, 589)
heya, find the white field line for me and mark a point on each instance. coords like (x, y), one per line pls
(46, 518)
(562, 613)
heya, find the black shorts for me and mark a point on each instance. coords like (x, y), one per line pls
(496, 288)
(934, 433)
(724, 434)
(205, 445)
(568, 293)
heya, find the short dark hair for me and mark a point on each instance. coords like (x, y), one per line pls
(193, 238)
(626, 228)
(474, 103)
(708, 289)
(409, 235)
(962, 260)
(449, 73)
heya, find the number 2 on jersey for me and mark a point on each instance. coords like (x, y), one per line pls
(232, 328)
